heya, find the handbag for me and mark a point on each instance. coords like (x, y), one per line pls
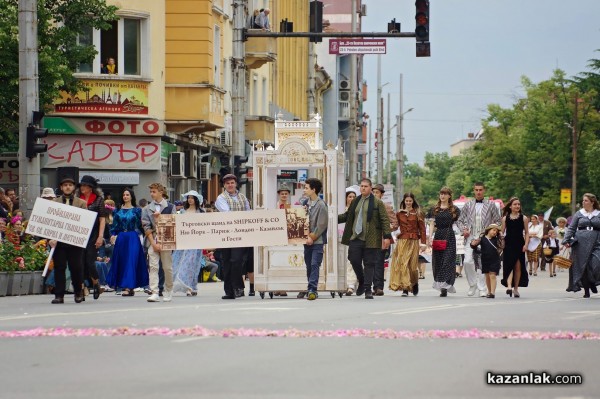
(439, 245)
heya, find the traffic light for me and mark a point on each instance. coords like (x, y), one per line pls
(33, 134)
(316, 20)
(238, 170)
(422, 20)
(225, 170)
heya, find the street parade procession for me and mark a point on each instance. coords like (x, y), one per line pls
(306, 238)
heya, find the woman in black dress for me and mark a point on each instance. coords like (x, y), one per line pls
(514, 226)
(443, 261)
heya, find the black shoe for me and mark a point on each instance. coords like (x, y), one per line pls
(97, 290)
(251, 293)
(239, 293)
(509, 292)
(301, 295)
(360, 290)
(368, 295)
(444, 292)
(228, 297)
(594, 289)
(58, 300)
(378, 292)
(415, 289)
(405, 293)
(79, 299)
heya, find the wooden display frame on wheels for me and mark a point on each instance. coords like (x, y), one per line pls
(299, 146)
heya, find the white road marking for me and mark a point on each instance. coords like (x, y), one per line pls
(582, 314)
(184, 340)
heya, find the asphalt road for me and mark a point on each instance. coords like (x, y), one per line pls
(343, 367)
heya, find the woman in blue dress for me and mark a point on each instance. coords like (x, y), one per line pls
(129, 269)
(187, 263)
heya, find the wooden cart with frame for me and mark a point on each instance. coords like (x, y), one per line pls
(299, 146)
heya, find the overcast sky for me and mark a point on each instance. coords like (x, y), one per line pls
(479, 51)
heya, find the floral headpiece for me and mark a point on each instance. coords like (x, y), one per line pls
(109, 206)
(16, 219)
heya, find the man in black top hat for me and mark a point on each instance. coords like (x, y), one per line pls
(65, 253)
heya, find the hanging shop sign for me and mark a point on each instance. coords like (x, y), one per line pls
(89, 152)
(105, 96)
(104, 126)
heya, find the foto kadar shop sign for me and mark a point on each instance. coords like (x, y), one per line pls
(231, 229)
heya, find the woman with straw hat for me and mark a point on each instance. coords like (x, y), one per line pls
(187, 263)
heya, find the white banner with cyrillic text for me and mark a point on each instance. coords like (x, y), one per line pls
(61, 222)
(231, 229)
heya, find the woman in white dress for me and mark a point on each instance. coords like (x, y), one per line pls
(534, 249)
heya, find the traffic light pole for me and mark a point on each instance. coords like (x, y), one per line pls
(29, 170)
(260, 33)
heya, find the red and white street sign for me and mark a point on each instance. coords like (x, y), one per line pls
(357, 46)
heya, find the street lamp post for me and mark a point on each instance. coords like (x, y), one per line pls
(400, 152)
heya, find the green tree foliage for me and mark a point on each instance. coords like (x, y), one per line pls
(59, 24)
(526, 150)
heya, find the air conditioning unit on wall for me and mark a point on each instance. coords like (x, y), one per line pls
(344, 110)
(177, 164)
(191, 164)
(344, 95)
(204, 171)
(344, 84)
(225, 138)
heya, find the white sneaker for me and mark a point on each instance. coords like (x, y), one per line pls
(472, 290)
(153, 298)
(482, 293)
(167, 296)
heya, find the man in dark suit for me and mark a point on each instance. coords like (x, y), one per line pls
(68, 254)
(367, 224)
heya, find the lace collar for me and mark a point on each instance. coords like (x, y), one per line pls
(591, 214)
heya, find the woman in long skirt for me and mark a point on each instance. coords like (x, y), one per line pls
(404, 273)
(583, 237)
(187, 263)
(443, 260)
(129, 269)
(534, 248)
(515, 227)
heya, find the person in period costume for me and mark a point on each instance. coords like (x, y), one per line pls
(367, 224)
(546, 227)
(283, 202)
(150, 214)
(283, 194)
(550, 248)
(351, 280)
(534, 248)
(129, 269)
(187, 263)
(474, 217)
(379, 275)
(404, 272)
(317, 238)
(66, 254)
(489, 248)
(515, 227)
(88, 191)
(443, 259)
(231, 200)
(583, 237)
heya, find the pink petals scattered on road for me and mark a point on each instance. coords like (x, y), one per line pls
(294, 333)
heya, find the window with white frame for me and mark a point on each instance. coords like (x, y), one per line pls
(122, 50)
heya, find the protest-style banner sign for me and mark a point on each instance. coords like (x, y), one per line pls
(231, 229)
(61, 222)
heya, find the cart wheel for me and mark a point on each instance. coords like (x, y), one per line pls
(262, 295)
(341, 294)
(332, 294)
(271, 295)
